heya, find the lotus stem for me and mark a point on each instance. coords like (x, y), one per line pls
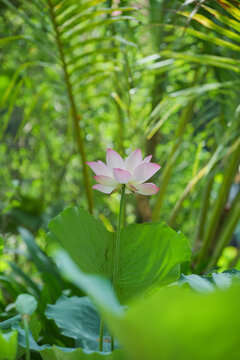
(26, 329)
(101, 334)
(117, 248)
(118, 239)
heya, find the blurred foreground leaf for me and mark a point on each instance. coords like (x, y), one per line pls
(173, 323)
(8, 345)
(78, 354)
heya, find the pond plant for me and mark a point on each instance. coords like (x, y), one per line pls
(131, 286)
(137, 270)
(127, 176)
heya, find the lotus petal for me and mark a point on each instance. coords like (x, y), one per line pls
(147, 189)
(133, 160)
(114, 160)
(99, 168)
(106, 180)
(122, 176)
(147, 159)
(144, 171)
(104, 189)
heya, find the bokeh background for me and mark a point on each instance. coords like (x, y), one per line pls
(161, 75)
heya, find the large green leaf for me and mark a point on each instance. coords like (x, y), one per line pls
(7, 324)
(149, 252)
(78, 319)
(8, 345)
(33, 345)
(98, 288)
(85, 239)
(56, 353)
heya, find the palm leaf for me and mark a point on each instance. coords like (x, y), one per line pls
(230, 8)
(70, 27)
(203, 20)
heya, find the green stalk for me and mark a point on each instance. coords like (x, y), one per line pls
(164, 183)
(78, 132)
(204, 209)
(173, 216)
(26, 329)
(118, 239)
(101, 333)
(185, 118)
(229, 226)
(117, 248)
(228, 176)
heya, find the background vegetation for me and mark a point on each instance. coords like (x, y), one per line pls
(78, 77)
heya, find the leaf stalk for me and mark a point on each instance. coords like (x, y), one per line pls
(26, 329)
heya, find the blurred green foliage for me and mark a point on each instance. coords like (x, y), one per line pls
(153, 79)
(79, 77)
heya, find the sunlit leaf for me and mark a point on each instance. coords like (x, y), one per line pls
(174, 324)
(148, 251)
(203, 20)
(8, 345)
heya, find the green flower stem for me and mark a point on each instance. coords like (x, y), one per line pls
(101, 335)
(117, 248)
(117, 245)
(26, 328)
(115, 265)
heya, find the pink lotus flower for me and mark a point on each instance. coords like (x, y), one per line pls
(132, 172)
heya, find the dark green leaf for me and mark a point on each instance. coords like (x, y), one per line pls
(7, 324)
(78, 319)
